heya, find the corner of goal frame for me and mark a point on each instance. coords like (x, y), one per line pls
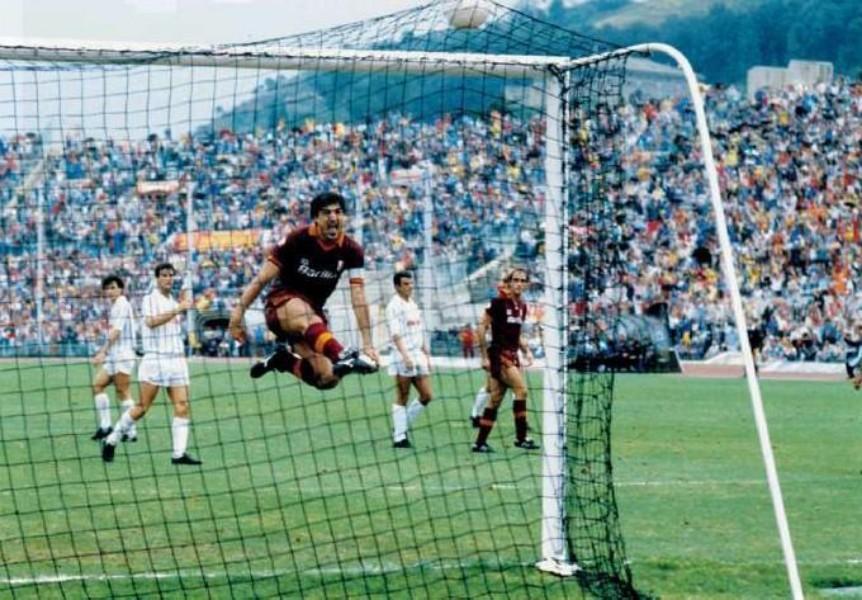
(558, 567)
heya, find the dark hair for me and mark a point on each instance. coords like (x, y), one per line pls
(165, 265)
(396, 279)
(113, 279)
(323, 200)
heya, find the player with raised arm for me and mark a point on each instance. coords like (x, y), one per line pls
(115, 360)
(505, 317)
(163, 366)
(305, 269)
(411, 361)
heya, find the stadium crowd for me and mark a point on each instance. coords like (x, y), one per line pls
(789, 167)
(120, 207)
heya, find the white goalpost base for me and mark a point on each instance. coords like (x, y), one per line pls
(558, 567)
(553, 552)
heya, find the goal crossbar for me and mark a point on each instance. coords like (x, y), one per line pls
(538, 67)
(279, 58)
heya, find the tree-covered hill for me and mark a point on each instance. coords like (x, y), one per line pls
(724, 38)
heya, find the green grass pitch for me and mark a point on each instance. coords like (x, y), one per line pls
(301, 493)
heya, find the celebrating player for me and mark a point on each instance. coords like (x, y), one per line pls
(505, 316)
(411, 361)
(115, 359)
(306, 268)
(163, 365)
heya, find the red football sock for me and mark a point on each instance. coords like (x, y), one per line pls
(289, 362)
(486, 424)
(321, 340)
(519, 408)
(304, 371)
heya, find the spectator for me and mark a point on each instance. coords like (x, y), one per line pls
(468, 341)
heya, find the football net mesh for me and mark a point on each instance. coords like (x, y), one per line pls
(111, 168)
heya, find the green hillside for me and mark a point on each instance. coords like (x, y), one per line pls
(724, 38)
(655, 12)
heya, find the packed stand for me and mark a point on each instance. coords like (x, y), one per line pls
(121, 207)
(789, 168)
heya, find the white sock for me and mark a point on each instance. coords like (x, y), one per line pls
(125, 421)
(399, 422)
(127, 404)
(479, 405)
(414, 409)
(103, 409)
(180, 435)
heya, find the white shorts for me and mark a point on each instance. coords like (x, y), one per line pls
(164, 371)
(420, 365)
(119, 365)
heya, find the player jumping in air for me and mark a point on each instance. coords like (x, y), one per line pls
(305, 269)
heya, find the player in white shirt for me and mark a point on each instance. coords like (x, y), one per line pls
(163, 366)
(411, 361)
(115, 360)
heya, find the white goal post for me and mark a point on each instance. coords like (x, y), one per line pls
(553, 548)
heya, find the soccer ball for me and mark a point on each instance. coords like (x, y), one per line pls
(468, 14)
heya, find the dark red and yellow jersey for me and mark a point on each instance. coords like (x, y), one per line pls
(507, 316)
(310, 266)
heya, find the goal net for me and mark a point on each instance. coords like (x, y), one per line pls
(463, 145)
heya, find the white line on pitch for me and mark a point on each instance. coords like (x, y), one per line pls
(306, 487)
(352, 570)
(451, 488)
(703, 482)
(360, 569)
(327, 489)
(686, 482)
